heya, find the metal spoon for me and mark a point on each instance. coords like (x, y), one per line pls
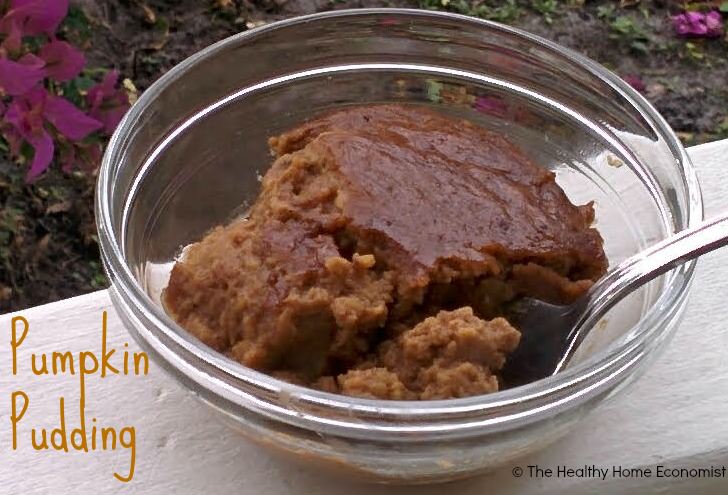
(550, 334)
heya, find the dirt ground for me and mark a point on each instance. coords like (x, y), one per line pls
(48, 248)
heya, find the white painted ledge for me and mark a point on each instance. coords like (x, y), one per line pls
(676, 414)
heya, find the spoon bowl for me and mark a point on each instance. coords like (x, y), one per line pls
(551, 334)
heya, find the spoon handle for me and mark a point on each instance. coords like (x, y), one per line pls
(643, 267)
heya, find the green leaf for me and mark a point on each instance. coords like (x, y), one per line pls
(639, 47)
(605, 11)
(77, 24)
(71, 92)
(724, 7)
(623, 24)
(433, 90)
(84, 83)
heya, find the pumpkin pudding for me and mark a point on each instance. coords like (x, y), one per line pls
(381, 256)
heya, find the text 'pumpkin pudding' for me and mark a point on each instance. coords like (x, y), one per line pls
(381, 256)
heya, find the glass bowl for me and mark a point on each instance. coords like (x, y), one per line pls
(190, 153)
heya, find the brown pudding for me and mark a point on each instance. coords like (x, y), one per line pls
(382, 254)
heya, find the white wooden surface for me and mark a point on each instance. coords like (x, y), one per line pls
(676, 414)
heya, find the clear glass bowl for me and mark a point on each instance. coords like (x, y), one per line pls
(190, 153)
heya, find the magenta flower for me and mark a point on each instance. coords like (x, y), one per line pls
(63, 61)
(108, 104)
(13, 38)
(17, 77)
(491, 106)
(31, 111)
(28, 115)
(635, 81)
(714, 23)
(698, 24)
(34, 17)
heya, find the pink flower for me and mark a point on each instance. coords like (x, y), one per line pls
(35, 17)
(714, 23)
(635, 81)
(17, 77)
(491, 105)
(35, 116)
(69, 120)
(13, 38)
(28, 115)
(63, 61)
(698, 24)
(108, 104)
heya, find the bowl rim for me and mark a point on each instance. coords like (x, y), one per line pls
(238, 386)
